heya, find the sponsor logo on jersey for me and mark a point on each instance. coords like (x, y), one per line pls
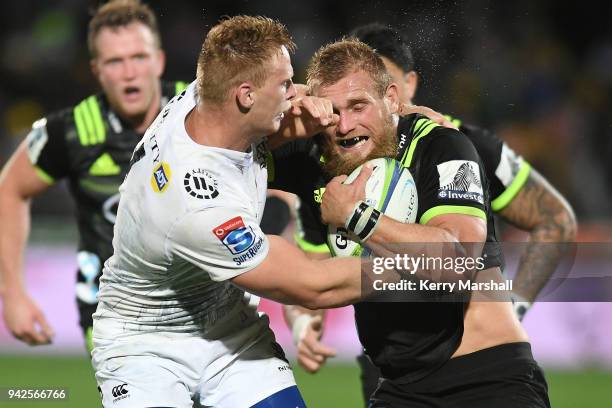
(199, 183)
(402, 141)
(37, 139)
(161, 177)
(318, 194)
(239, 239)
(120, 392)
(460, 180)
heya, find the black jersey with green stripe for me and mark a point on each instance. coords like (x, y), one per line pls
(89, 146)
(505, 170)
(405, 340)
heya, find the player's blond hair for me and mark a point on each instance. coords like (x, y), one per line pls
(120, 13)
(236, 50)
(334, 61)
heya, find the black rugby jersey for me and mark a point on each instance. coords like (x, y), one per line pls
(89, 146)
(407, 340)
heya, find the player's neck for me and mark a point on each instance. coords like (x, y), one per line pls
(140, 123)
(217, 128)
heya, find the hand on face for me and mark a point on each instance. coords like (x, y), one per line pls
(308, 116)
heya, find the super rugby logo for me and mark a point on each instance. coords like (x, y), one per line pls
(239, 239)
(236, 236)
(201, 184)
(161, 177)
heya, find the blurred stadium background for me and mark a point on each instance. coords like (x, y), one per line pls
(539, 73)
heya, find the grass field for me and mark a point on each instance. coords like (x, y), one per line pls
(337, 386)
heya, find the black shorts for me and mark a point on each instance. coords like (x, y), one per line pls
(86, 312)
(504, 376)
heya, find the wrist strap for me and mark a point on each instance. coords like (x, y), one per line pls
(363, 221)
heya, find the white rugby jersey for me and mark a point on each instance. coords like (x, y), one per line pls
(188, 221)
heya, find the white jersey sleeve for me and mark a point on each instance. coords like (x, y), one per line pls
(221, 241)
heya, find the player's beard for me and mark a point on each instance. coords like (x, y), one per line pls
(337, 163)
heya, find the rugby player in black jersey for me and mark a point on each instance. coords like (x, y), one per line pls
(426, 359)
(519, 194)
(90, 145)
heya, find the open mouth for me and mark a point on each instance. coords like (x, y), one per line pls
(353, 142)
(131, 91)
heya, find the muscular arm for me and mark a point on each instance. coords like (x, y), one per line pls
(540, 209)
(287, 276)
(19, 182)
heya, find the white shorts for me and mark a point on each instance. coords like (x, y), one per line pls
(153, 370)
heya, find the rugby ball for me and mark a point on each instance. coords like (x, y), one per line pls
(391, 190)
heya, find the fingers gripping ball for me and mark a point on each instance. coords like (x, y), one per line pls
(390, 190)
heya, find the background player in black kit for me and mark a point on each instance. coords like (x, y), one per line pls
(415, 352)
(90, 145)
(519, 194)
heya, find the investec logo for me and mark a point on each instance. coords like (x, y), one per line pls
(120, 392)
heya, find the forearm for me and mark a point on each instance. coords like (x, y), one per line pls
(287, 276)
(391, 231)
(541, 210)
(333, 283)
(15, 221)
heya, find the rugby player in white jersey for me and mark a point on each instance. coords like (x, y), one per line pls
(176, 322)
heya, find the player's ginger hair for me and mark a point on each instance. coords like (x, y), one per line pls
(236, 50)
(334, 61)
(120, 13)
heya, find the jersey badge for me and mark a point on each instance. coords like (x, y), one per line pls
(460, 180)
(200, 184)
(161, 177)
(236, 236)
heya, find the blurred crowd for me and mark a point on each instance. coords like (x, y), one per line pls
(538, 73)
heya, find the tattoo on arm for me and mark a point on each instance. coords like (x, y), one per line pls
(540, 209)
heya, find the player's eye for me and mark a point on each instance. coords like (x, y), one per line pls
(358, 107)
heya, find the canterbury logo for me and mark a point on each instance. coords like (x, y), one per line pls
(463, 179)
(119, 390)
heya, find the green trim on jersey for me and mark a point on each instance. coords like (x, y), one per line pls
(89, 339)
(451, 209)
(456, 122)
(108, 189)
(104, 166)
(308, 247)
(44, 176)
(270, 165)
(513, 189)
(422, 128)
(180, 86)
(89, 122)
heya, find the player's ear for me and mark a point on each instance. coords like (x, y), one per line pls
(245, 96)
(392, 98)
(94, 67)
(161, 62)
(412, 81)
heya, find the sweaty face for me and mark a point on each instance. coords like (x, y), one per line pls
(366, 129)
(273, 98)
(128, 66)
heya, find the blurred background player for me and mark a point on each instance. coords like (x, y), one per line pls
(90, 145)
(519, 194)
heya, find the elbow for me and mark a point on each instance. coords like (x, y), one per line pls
(327, 299)
(568, 224)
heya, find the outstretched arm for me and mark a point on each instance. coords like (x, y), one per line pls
(19, 182)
